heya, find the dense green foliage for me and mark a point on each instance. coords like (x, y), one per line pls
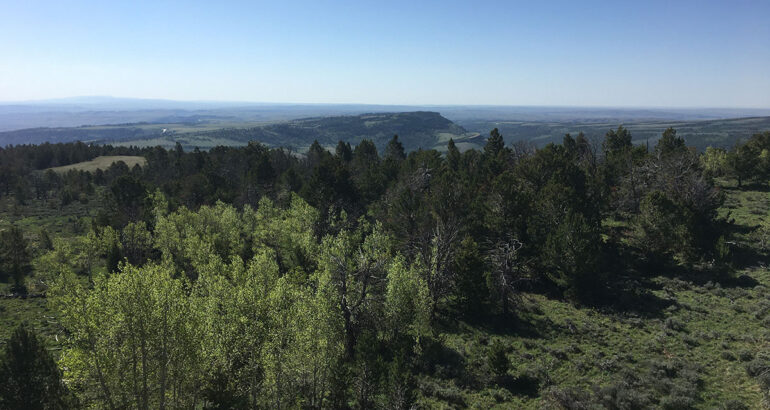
(254, 277)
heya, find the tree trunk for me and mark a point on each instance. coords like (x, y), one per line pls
(164, 361)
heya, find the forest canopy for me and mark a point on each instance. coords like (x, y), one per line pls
(257, 278)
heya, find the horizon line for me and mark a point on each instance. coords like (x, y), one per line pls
(66, 100)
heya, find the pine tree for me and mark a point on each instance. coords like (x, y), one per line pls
(452, 156)
(395, 150)
(14, 256)
(29, 377)
(495, 143)
(471, 287)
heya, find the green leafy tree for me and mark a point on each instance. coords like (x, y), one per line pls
(134, 339)
(714, 162)
(136, 243)
(407, 299)
(353, 266)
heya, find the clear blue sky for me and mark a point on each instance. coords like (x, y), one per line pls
(576, 53)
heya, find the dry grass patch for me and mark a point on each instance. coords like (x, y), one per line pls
(102, 163)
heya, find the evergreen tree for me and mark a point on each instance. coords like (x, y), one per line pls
(344, 152)
(395, 150)
(495, 144)
(29, 377)
(452, 156)
(617, 141)
(498, 359)
(14, 256)
(743, 160)
(316, 154)
(470, 287)
(46, 243)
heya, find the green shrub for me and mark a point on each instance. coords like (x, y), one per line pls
(745, 355)
(498, 359)
(728, 355)
(733, 404)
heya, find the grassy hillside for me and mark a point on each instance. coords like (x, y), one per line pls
(59, 221)
(415, 129)
(102, 162)
(686, 337)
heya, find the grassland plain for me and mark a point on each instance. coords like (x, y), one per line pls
(685, 339)
(102, 162)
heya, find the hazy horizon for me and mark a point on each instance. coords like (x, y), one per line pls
(100, 99)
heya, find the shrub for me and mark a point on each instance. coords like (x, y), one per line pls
(727, 355)
(498, 359)
(674, 324)
(690, 340)
(757, 367)
(673, 402)
(567, 398)
(733, 404)
(745, 355)
(621, 395)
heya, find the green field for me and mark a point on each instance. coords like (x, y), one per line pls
(102, 162)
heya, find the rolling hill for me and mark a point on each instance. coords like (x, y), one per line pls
(420, 129)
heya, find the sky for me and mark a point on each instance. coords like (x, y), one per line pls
(560, 53)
